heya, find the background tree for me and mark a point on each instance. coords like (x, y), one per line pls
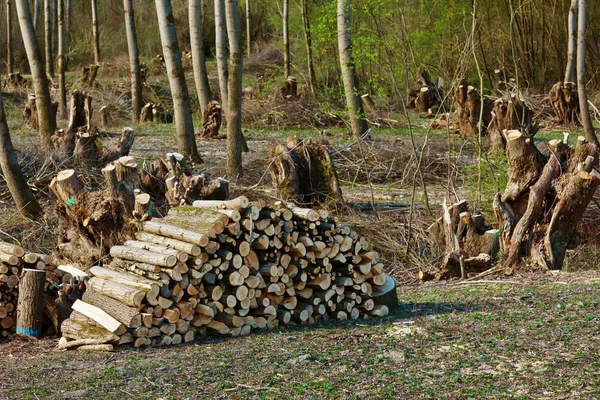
(286, 38)
(197, 48)
(62, 62)
(570, 74)
(357, 120)
(248, 26)
(586, 120)
(234, 115)
(134, 62)
(37, 11)
(9, 44)
(43, 101)
(48, 37)
(308, 42)
(95, 33)
(221, 51)
(181, 99)
(16, 182)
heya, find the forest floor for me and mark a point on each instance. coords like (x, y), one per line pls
(527, 336)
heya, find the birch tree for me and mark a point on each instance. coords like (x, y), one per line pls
(181, 99)
(134, 62)
(570, 74)
(198, 61)
(355, 109)
(221, 50)
(234, 114)
(43, 101)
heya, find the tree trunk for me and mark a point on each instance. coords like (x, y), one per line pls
(68, 22)
(62, 62)
(48, 37)
(586, 120)
(248, 30)
(134, 62)
(357, 120)
(307, 36)
(95, 34)
(286, 39)
(16, 182)
(234, 115)
(181, 99)
(37, 11)
(221, 50)
(570, 75)
(198, 61)
(9, 44)
(40, 82)
(30, 308)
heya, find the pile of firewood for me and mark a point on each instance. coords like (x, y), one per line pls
(12, 261)
(227, 267)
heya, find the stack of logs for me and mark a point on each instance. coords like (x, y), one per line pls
(227, 267)
(12, 261)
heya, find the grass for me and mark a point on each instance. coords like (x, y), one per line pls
(529, 340)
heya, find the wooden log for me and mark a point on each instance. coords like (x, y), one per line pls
(128, 316)
(179, 245)
(10, 248)
(144, 256)
(235, 204)
(172, 232)
(75, 330)
(126, 294)
(100, 316)
(30, 306)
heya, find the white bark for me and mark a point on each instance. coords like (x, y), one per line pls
(570, 75)
(234, 115)
(586, 120)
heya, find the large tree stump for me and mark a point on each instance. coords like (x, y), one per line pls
(30, 306)
(289, 88)
(211, 120)
(468, 108)
(510, 113)
(30, 115)
(426, 95)
(564, 99)
(303, 171)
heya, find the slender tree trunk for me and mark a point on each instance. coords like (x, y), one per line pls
(54, 29)
(68, 23)
(43, 101)
(9, 43)
(134, 62)
(198, 61)
(17, 185)
(48, 37)
(221, 51)
(286, 38)
(62, 62)
(357, 120)
(181, 99)
(234, 116)
(95, 34)
(586, 120)
(570, 75)
(248, 30)
(307, 36)
(37, 11)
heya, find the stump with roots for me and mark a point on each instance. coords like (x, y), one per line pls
(211, 120)
(564, 99)
(468, 101)
(81, 142)
(510, 113)
(30, 115)
(426, 96)
(303, 172)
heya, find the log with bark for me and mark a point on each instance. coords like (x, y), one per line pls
(564, 99)
(468, 102)
(247, 266)
(303, 171)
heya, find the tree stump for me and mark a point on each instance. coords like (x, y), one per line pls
(146, 113)
(30, 115)
(14, 81)
(30, 306)
(425, 95)
(89, 74)
(104, 117)
(500, 85)
(303, 171)
(368, 103)
(289, 88)
(564, 99)
(510, 113)
(468, 106)
(211, 120)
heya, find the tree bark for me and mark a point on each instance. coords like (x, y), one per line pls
(221, 50)
(48, 37)
(38, 73)
(308, 39)
(286, 38)
(30, 308)
(198, 61)
(570, 75)
(68, 21)
(357, 120)
(134, 62)
(62, 62)
(95, 34)
(37, 10)
(16, 182)
(586, 120)
(248, 29)
(181, 99)
(9, 44)
(234, 115)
